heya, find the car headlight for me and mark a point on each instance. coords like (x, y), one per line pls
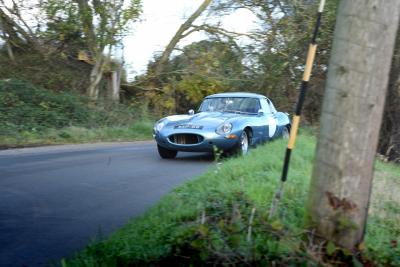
(224, 128)
(159, 126)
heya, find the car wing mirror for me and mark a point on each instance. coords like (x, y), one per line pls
(260, 112)
(191, 112)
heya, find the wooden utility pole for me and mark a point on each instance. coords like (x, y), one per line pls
(351, 118)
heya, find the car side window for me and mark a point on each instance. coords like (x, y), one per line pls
(265, 106)
(271, 106)
(250, 105)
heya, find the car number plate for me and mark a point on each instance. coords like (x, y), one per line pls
(188, 126)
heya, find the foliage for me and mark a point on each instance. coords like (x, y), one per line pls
(62, 73)
(206, 221)
(203, 68)
(64, 23)
(16, 30)
(270, 61)
(113, 18)
(280, 56)
(102, 25)
(138, 130)
(63, 27)
(33, 115)
(66, 28)
(25, 107)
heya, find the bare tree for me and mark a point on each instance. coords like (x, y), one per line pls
(104, 23)
(15, 28)
(351, 118)
(184, 30)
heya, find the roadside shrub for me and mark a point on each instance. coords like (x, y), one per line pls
(32, 115)
(24, 107)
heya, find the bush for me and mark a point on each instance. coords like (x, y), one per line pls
(24, 107)
(33, 115)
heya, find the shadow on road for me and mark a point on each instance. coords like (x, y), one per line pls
(187, 156)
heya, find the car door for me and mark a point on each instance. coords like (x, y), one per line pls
(270, 119)
(250, 107)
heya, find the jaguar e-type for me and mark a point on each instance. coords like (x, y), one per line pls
(229, 122)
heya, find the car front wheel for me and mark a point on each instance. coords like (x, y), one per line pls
(166, 153)
(244, 143)
(242, 147)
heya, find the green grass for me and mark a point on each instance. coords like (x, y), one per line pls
(205, 221)
(141, 130)
(384, 216)
(32, 115)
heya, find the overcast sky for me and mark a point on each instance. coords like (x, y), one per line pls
(160, 20)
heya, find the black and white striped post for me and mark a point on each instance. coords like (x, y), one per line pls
(296, 118)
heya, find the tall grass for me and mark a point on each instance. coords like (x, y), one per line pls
(206, 221)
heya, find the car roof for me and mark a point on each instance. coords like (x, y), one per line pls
(236, 94)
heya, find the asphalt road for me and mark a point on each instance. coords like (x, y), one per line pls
(54, 200)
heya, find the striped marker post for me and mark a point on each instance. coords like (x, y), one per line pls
(296, 118)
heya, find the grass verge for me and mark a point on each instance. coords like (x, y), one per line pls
(207, 221)
(140, 130)
(32, 115)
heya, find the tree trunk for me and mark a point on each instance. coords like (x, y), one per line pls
(96, 75)
(9, 47)
(390, 132)
(6, 39)
(351, 117)
(114, 85)
(180, 34)
(10, 52)
(86, 18)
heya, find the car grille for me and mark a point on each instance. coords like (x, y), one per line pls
(186, 139)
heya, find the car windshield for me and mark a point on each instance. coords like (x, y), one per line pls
(231, 104)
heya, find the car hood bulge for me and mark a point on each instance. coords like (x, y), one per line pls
(202, 118)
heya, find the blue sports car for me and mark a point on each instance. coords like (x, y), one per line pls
(231, 122)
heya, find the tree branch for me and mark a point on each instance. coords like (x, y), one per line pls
(178, 36)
